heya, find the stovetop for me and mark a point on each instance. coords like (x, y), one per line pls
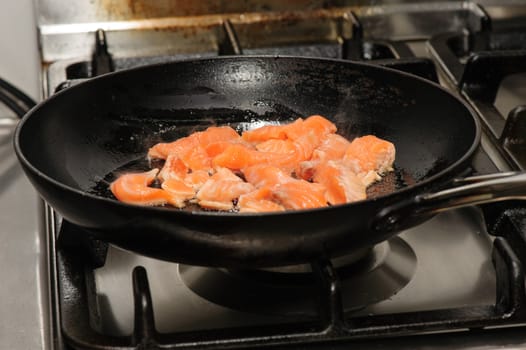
(459, 273)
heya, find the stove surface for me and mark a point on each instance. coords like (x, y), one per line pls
(456, 259)
(453, 248)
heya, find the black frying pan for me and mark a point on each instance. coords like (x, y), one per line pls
(70, 142)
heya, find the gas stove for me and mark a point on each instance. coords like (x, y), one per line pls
(455, 281)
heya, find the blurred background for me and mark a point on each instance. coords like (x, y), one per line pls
(19, 63)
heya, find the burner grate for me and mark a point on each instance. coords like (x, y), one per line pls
(77, 258)
(477, 63)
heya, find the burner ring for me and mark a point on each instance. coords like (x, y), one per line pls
(367, 277)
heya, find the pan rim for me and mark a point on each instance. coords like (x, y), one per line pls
(421, 184)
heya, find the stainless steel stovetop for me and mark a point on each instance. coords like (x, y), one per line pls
(445, 263)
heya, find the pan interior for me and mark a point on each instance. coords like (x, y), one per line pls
(89, 131)
(70, 142)
(390, 182)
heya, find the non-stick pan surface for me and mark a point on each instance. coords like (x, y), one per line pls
(70, 142)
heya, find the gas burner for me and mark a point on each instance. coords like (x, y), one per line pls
(367, 277)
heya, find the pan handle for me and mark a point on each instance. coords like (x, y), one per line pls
(471, 191)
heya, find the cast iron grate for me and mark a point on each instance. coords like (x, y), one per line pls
(392, 54)
(477, 63)
(77, 258)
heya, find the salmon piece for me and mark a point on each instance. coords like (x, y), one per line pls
(196, 179)
(263, 175)
(277, 146)
(237, 156)
(264, 133)
(306, 144)
(332, 147)
(216, 148)
(221, 189)
(370, 153)
(258, 201)
(225, 174)
(180, 192)
(341, 183)
(305, 170)
(192, 149)
(196, 159)
(327, 168)
(308, 134)
(187, 149)
(286, 190)
(294, 129)
(215, 134)
(300, 194)
(285, 161)
(173, 167)
(260, 206)
(320, 125)
(180, 146)
(279, 132)
(317, 124)
(134, 188)
(301, 148)
(219, 147)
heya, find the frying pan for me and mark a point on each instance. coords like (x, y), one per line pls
(69, 143)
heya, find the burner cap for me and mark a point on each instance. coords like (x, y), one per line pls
(367, 277)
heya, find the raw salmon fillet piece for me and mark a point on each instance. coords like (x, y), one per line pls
(300, 194)
(197, 159)
(196, 179)
(192, 150)
(216, 148)
(174, 168)
(263, 175)
(134, 188)
(221, 189)
(216, 134)
(237, 156)
(265, 133)
(187, 149)
(332, 147)
(179, 191)
(300, 165)
(306, 144)
(277, 146)
(283, 189)
(341, 183)
(181, 146)
(320, 125)
(258, 201)
(370, 153)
